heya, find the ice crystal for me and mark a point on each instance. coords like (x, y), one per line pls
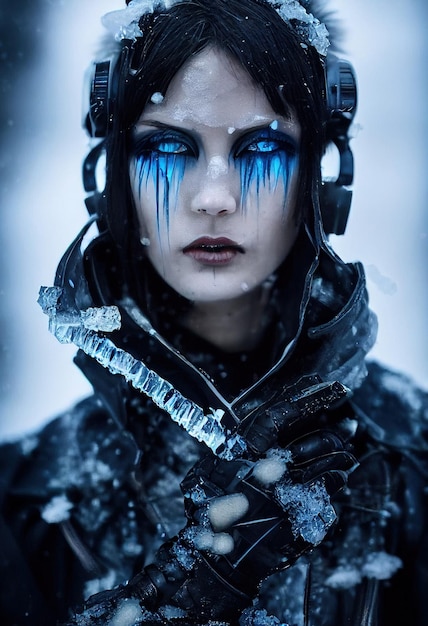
(309, 27)
(197, 495)
(128, 613)
(309, 509)
(49, 298)
(170, 612)
(105, 318)
(207, 428)
(184, 556)
(257, 617)
(124, 23)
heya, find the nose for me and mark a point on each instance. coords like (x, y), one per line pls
(215, 194)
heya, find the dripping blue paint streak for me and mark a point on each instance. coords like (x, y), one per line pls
(265, 169)
(264, 158)
(166, 171)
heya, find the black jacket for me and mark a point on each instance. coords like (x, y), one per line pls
(87, 501)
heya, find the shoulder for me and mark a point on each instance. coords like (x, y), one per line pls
(78, 448)
(393, 413)
(394, 407)
(62, 492)
(393, 416)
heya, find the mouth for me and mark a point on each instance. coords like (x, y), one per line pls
(213, 251)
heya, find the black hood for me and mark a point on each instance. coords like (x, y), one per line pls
(332, 328)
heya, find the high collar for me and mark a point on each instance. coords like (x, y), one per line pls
(332, 330)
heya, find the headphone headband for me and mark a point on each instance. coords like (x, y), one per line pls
(341, 104)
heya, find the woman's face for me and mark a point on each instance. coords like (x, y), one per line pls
(214, 175)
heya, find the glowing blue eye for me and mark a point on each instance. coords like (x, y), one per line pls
(265, 157)
(264, 145)
(165, 143)
(171, 147)
(161, 158)
(265, 142)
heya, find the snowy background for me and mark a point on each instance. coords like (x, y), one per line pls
(46, 46)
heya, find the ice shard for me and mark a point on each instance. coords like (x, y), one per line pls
(70, 326)
(309, 509)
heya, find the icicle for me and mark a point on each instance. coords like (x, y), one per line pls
(69, 327)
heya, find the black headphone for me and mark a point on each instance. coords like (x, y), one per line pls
(341, 104)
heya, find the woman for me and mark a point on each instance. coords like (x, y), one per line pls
(236, 463)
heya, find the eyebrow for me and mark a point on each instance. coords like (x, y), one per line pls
(157, 124)
(239, 131)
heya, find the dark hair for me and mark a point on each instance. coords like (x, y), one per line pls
(253, 34)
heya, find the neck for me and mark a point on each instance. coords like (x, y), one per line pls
(232, 325)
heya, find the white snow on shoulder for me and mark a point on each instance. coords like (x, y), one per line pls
(385, 285)
(404, 388)
(28, 444)
(57, 510)
(157, 97)
(344, 577)
(378, 565)
(381, 565)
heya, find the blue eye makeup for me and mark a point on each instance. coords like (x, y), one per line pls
(265, 157)
(161, 157)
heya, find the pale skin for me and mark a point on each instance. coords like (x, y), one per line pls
(218, 245)
(210, 110)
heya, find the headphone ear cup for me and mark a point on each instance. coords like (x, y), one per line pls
(341, 105)
(335, 204)
(98, 116)
(96, 123)
(341, 88)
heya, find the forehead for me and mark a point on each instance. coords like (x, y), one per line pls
(213, 90)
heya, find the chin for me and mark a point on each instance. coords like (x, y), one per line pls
(217, 293)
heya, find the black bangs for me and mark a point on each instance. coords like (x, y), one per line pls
(251, 32)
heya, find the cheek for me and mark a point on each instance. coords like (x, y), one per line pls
(155, 181)
(278, 237)
(263, 174)
(277, 225)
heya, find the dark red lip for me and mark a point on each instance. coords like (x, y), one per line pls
(213, 250)
(214, 242)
